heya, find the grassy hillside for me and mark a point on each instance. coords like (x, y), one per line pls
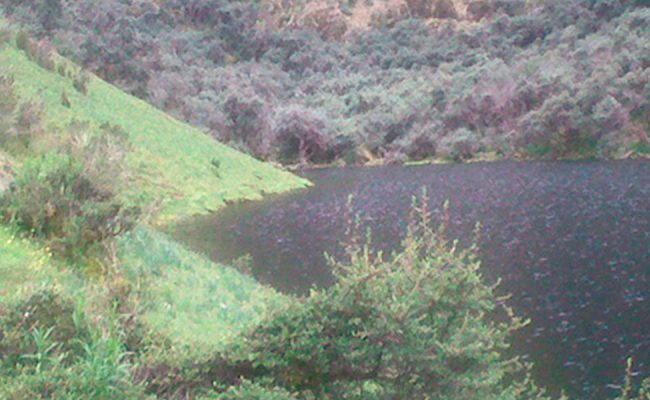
(172, 163)
(22, 264)
(188, 299)
(179, 300)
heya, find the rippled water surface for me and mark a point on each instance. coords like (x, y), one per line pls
(570, 241)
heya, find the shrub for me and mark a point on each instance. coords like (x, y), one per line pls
(43, 54)
(53, 198)
(103, 153)
(248, 121)
(301, 134)
(20, 123)
(421, 142)
(29, 121)
(414, 326)
(22, 40)
(8, 104)
(460, 145)
(73, 382)
(81, 81)
(62, 70)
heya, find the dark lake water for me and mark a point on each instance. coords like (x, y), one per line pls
(570, 240)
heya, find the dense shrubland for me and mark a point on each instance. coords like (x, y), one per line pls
(508, 78)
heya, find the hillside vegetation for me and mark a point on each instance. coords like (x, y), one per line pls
(390, 80)
(169, 161)
(89, 292)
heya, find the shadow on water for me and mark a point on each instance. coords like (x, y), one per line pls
(570, 241)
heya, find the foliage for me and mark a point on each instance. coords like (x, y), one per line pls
(102, 153)
(49, 350)
(169, 163)
(301, 134)
(20, 122)
(564, 74)
(415, 325)
(42, 324)
(248, 390)
(53, 198)
(80, 82)
(627, 391)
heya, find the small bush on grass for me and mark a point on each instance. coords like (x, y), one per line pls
(102, 153)
(81, 81)
(53, 198)
(22, 40)
(20, 123)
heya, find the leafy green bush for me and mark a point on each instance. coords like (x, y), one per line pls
(414, 326)
(73, 382)
(53, 198)
(23, 40)
(103, 153)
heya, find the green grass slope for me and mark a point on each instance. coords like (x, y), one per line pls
(189, 300)
(27, 267)
(172, 163)
(186, 298)
(24, 266)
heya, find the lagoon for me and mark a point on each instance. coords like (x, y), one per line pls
(570, 241)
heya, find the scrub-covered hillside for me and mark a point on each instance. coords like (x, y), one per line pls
(357, 81)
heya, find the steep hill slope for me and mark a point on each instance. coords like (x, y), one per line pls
(172, 163)
(178, 297)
